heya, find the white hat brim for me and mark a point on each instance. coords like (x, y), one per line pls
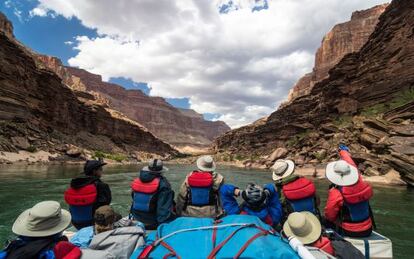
(20, 225)
(345, 180)
(205, 169)
(289, 171)
(313, 236)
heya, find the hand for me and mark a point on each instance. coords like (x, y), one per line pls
(343, 147)
(236, 192)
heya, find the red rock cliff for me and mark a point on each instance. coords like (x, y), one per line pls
(344, 38)
(375, 84)
(47, 115)
(178, 127)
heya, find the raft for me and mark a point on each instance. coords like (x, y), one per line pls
(376, 246)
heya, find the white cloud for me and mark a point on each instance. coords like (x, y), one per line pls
(38, 11)
(240, 65)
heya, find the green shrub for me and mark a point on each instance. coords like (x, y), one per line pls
(115, 157)
(401, 98)
(294, 140)
(342, 121)
(31, 149)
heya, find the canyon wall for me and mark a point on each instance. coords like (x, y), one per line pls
(366, 102)
(178, 127)
(343, 39)
(38, 112)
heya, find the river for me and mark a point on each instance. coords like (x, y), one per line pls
(21, 186)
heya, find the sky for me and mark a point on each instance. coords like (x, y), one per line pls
(231, 60)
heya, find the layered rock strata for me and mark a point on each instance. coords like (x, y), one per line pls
(366, 102)
(343, 39)
(39, 112)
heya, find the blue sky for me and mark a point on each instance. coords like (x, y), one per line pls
(54, 36)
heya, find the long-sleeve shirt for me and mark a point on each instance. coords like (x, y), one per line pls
(231, 206)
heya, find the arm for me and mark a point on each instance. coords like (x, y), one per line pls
(104, 194)
(346, 156)
(165, 204)
(181, 198)
(333, 205)
(275, 208)
(228, 200)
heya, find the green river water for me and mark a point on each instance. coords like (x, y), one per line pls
(21, 186)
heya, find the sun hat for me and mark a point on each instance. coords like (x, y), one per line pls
(156, 166)
(92, 165)
(206, 164)
(254, 195)
(304, 226)
(282, 169)
(44, 219)
(341, 173)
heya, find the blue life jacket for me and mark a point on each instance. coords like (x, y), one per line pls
(200, 190)
(144, 195)
(356, 202)
(300, 195)
(81, 203)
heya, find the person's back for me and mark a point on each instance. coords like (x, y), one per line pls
(306, 227)
(152, 196)
(347, 208)
(296, 193)
(260, 202)
(39, 230)
(87, 193)
(199, 194)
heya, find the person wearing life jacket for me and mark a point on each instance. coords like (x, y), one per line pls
(107, 238)
(257, 201)
(39, 234)
(87, 193)
(296, 193)
(347, 207)
(307, 228)
(152, 196)
(199, 194)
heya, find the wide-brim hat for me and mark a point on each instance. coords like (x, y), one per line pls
(44, 219)
(282, 169)
(206, 164)
(305, 226)
(164, 169)
(341, 173)
(155, 166)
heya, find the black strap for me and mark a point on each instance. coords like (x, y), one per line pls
(371, 214)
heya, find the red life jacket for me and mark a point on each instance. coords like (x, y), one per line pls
(268, 219)
(355, 210)
(144, 195)
(300, 195)
(200, 191)
(81, 203)
(324, 244)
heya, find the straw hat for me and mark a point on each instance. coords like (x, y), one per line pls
(282, 169)
(341, 173)
(44, 219)
(304, 226)
(155, 166)
(206, 164)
